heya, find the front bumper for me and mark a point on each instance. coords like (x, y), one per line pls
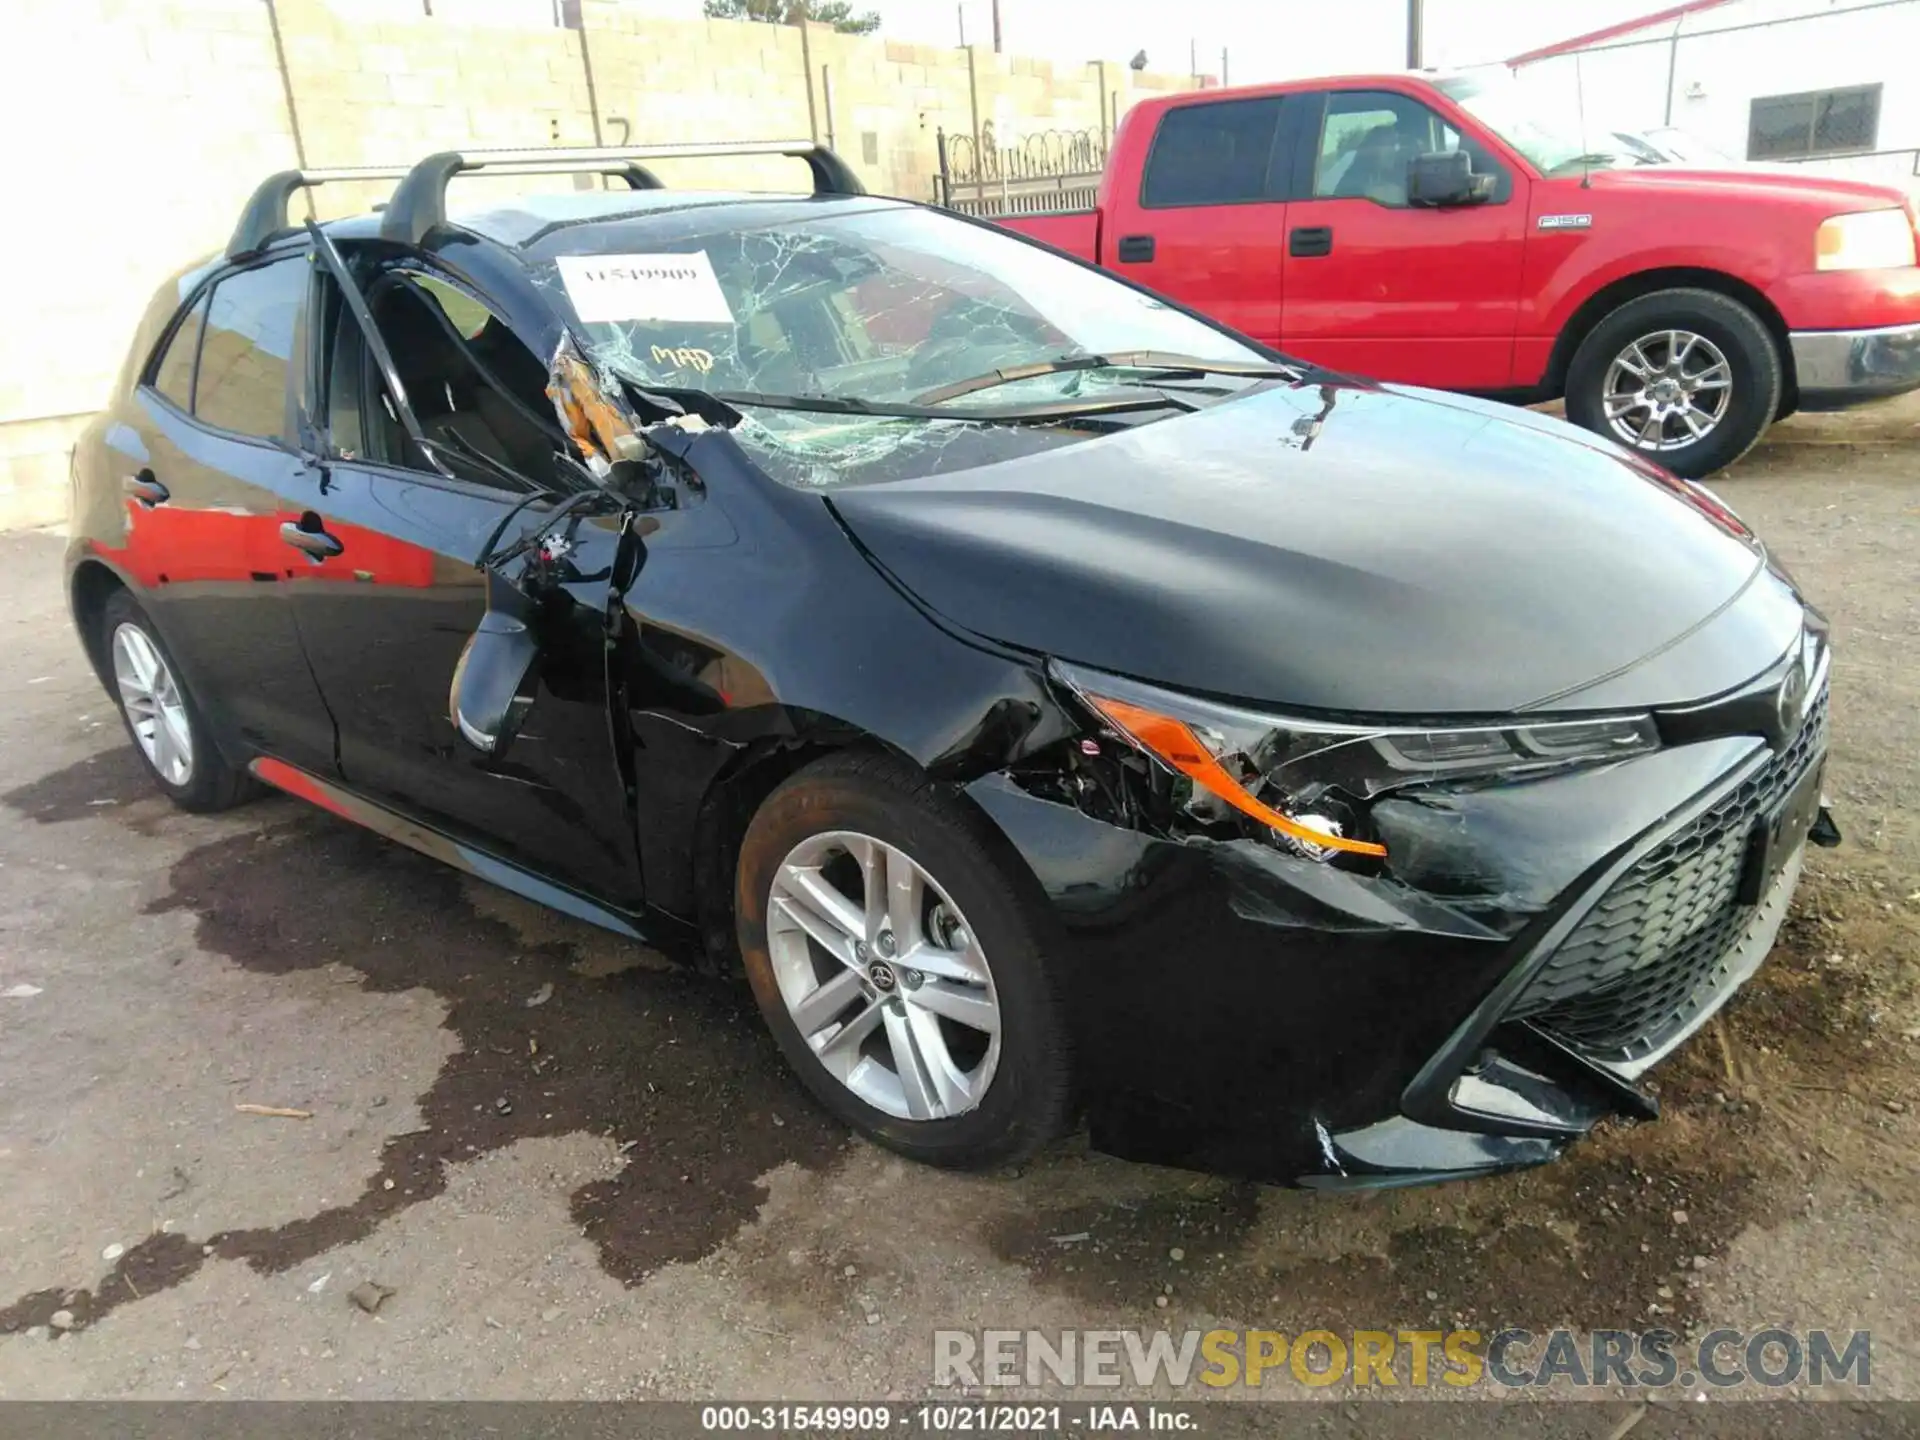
(1533, 948)
(1838, 368)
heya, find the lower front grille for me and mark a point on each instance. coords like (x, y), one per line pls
(1647, 958)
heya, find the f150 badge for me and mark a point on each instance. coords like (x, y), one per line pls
(1566, 222)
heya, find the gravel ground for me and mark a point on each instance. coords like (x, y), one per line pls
(581, 1174)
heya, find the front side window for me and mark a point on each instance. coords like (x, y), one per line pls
(242, 384)
(173, 377)
(1220, 153)
(1368, 141)
(478, 392)
(1817, 122)
(882, 306)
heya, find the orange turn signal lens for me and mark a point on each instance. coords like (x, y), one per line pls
(1176, 744)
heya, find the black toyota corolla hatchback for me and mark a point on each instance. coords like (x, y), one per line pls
(1057, 705)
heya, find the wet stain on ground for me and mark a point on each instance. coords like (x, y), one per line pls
(1627, 1231)
(108, 781)
(676, 1067)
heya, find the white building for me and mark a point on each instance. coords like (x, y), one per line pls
(1831, 84)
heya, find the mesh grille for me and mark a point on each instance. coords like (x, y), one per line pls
(1650, 953)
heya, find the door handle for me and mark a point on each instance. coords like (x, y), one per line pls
(1135, 249)
(145, 486)
(309, 537)
(1307, 241)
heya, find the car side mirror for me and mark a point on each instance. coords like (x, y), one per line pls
(494, 682)
(1446, 177)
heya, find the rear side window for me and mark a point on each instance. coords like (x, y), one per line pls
(1217, 154)
(174, 376)
(242, 383)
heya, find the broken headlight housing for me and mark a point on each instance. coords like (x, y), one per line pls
(1310, 783)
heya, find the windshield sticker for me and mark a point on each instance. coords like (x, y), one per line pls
(613, 288)
(683, 358)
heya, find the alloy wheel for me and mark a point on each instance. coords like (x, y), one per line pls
(883, 977)
(156, 710)
(1667, 390)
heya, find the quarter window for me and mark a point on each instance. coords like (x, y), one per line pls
(174, 376)
(1213, 154)
(1815, 122)
(242, 383)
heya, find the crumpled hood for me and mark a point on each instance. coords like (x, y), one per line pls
(1344, 546)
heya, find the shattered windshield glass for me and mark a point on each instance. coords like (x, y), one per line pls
(881, 306)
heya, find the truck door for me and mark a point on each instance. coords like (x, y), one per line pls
(1381, 288)
(1208, 222)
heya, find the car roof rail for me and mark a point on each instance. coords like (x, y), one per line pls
(265, 215)
(420, 201)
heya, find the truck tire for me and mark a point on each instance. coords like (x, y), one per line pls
(1688, 378)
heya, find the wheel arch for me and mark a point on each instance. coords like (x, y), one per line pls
(732, 798)
(1611, 296)
(91, 584)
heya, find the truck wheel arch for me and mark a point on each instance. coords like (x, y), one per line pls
(1616, 293)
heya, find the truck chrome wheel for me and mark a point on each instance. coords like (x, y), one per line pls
(882, 976)
(156, 712)
(1667, 390)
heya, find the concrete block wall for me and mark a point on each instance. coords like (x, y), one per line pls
(133, 130)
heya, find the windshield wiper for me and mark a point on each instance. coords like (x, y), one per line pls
(1040, 414)
(1121, 360)
(1046, 413)
(1597, 157)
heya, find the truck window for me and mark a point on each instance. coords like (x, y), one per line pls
(1213, 154)
(1369, 138)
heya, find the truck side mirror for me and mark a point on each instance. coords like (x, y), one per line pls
(1445, 177)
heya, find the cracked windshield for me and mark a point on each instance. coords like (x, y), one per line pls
(887, 309)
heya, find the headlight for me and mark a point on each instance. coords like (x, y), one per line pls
(1310, 782)
(1865, 240)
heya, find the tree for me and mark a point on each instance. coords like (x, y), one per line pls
(837, 13)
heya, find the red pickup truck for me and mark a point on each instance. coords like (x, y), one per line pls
(1452, 232)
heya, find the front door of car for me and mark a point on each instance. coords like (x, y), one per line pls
(387, 607)
(209, 467)
(1375, 286)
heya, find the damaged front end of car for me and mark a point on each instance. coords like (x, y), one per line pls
(1344, 955)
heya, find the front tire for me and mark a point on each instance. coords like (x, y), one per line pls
(161, 717)
(1688, 378)
(899, 965)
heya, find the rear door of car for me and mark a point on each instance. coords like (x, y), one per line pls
(1208, 222)
(209, 465)
(387, 606)
(1378, 287)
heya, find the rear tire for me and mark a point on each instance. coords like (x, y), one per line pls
(161, 717)
(1688, 378)
(965, 1064)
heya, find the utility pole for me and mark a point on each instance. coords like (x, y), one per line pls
(1416, 33)
(1224, 81)
(996, 27)
(961, 10)
(1193, 58)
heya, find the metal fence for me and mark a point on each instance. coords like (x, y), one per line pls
(1051, 170)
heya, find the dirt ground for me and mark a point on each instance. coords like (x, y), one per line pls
(584, 1175)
